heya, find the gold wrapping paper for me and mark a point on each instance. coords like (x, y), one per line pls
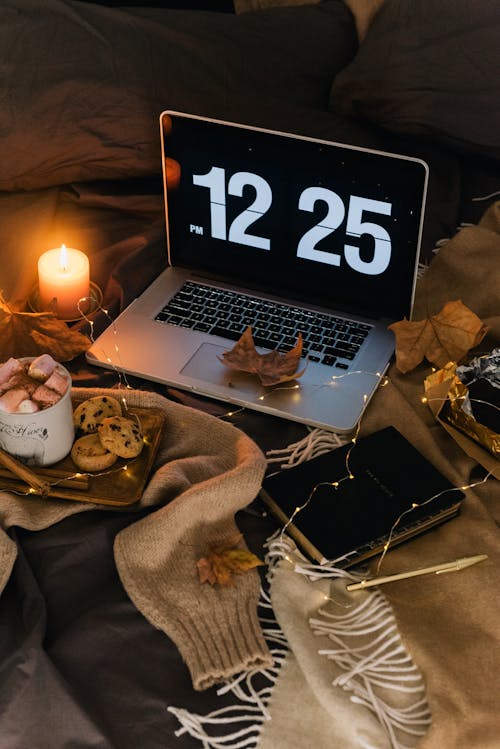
(454, 413)
(442, 389)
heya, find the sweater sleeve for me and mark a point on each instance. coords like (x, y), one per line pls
(213, 471)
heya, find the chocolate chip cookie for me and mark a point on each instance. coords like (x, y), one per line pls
(89, 414)
(89, 454)
(121, 436)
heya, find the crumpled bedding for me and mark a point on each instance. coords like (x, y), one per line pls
(83, 85)
(80, 668)
(82, 88)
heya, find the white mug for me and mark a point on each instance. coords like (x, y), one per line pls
(41, 438)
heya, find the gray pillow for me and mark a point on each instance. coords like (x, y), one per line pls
(429, 68)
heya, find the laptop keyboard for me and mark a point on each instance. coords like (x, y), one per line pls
(333, 341)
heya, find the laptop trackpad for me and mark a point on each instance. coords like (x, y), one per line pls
(206, 365)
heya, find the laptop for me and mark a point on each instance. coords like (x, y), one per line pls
(283, 234)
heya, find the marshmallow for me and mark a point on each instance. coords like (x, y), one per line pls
(11, 400)
(9, 368)
(26, 388)
(57, 382)
(44, 397)
(42, 367)
(27, 407)
(20, 380)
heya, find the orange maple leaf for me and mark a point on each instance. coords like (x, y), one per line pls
(31, 334)
(441, 338)
(271, 368)
(220, 564)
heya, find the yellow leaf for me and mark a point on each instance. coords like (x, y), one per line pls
(220, 564)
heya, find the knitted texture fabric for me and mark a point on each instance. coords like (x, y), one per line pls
(205, 471)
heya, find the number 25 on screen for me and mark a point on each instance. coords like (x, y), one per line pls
(215, 180)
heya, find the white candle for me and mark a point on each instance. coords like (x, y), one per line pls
(63, 274)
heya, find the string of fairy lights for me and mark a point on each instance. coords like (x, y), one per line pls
(77, 475)
(349, 475)
(119, 371)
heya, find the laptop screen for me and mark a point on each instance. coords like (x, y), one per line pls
(319, 222)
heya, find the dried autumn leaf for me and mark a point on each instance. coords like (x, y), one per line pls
(31, 334)
(441, 338)
(271, 368)
(219, 566)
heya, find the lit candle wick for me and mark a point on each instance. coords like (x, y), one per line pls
(63, 258)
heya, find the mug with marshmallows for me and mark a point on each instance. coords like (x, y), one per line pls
(36, 412)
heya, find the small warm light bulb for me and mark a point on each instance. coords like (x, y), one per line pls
(424, 399)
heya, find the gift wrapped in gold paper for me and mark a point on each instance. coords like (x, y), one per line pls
(467, 399)
(459, 413)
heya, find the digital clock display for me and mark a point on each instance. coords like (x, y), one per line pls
(315, 221)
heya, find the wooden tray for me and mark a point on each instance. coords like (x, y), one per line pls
(120, 485)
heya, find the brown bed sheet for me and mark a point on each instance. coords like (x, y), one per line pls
(80, 668)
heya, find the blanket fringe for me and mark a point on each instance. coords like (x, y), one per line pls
(317, 442)
(367, 648)
(251, 691)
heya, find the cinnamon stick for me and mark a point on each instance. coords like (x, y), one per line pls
(24, 473)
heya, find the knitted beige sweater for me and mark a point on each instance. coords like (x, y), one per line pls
(204, 472)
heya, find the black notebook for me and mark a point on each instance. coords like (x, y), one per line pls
(352, 522)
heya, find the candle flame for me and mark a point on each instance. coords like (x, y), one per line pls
(63, 258)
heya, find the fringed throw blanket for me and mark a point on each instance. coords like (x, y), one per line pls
(416, 662)
(346, 656)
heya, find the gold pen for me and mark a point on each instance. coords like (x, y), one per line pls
(437, 569)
